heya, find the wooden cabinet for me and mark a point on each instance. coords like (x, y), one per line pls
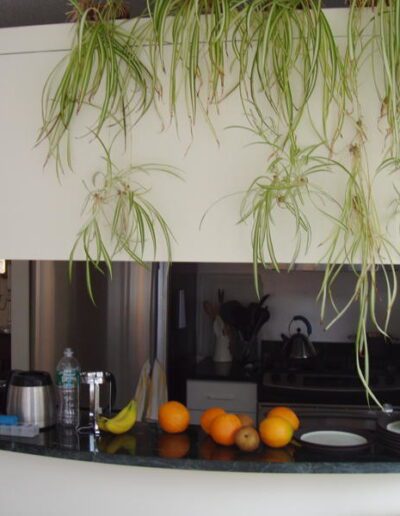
(237, 397)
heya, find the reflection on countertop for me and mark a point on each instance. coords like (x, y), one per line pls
(146, 445)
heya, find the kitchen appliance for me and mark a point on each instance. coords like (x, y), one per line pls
(96, 379)
(30, 396)
(326, 392)
(298, 346)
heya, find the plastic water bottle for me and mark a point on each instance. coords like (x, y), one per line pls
(67, 381)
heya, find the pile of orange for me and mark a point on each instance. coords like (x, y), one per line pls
(222, 426)
(276, 430)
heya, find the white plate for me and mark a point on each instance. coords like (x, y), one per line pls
(333, 438)
(394, 427)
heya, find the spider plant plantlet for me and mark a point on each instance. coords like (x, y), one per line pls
(287, 184)
(120, 218)
(387, 29)
(103, 70)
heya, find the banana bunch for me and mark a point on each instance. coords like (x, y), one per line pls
(122, 422)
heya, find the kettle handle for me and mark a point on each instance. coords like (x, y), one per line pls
(304, 320)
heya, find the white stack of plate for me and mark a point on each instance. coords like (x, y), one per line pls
(388, 432)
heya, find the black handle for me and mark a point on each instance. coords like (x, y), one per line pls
(113, 383)
(305, 321)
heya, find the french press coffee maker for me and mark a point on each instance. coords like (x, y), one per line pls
(94, 379)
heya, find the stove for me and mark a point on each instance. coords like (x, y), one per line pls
(330, 378)
(350, 417)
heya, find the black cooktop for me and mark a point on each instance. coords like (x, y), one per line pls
(331, 376)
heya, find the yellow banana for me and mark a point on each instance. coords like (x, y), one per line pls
(122, 422)
(101, 422)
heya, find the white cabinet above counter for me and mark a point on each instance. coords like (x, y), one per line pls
(43, 214)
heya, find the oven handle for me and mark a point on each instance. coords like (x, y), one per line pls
(323, 389)
(218, 398)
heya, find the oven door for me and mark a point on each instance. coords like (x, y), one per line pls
(322, 416)
(314, 388)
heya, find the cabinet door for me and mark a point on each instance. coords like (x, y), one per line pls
(44, 216)
(231, 396)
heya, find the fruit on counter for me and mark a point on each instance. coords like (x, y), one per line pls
(286, 413)
(173, 446)
(275, 431)
(173, 417)
(122, 422)
(224, 427)
(245, 420)
(208, 417)
(247, 439)
(101, 423)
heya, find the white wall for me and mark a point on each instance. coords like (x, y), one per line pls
(42, 486)
(44, 216)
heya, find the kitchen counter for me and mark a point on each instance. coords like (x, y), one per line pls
(146, 445)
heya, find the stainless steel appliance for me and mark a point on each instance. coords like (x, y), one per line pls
(30, 396)
(95, 379)
(117, 334)
(327, 386)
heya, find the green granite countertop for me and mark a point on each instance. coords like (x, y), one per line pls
(146, 445)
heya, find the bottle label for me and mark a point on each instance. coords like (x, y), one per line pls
(68, 378)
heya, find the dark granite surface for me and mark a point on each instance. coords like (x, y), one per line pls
(146, 445)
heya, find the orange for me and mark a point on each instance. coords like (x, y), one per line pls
(224, 427)
(173, 417)
(275, 431)
(173, 446)
(208, 416)
(286, 413)
(245, 420)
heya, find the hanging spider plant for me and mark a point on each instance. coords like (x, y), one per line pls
(387, 28)
(358, 237)
(285, 47)
(103, 70)
(120, 218)
(287, 184)
(198, 43)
